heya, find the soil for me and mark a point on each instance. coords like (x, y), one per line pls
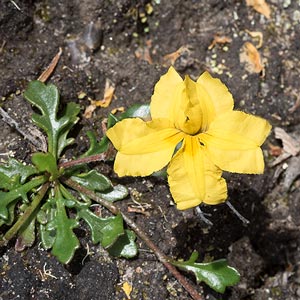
(127, 45)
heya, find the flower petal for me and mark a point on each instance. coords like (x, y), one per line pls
(233, 142)
(194, 110)
(141, 164)
(218, 93)
(193, 178)
(163, 97)
(144, 147)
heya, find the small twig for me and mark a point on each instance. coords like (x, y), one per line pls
(243, 219)
(83, 160)
(34, 204)
(200, 214)
(164, 259)
(49, 70)
(15, 5)
(2, 46)
(131, 209)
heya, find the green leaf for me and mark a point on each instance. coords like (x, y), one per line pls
(45, 162)
(102, 146)
(65, 242)
(118, 192)
(217, 274)
(14, 168)
(26, 236)
(137, 111)
(46, 99)
(93, 181)
(6, 198)
(104, 230)
(46, 229)
(11, 214)
(95, 147)
(125, 246)
(71, 112)
(111, 120)
(9, 183)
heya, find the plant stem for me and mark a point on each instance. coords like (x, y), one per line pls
(164, 259)
(34, 204)
(83, 160)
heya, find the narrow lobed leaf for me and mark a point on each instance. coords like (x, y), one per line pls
(125, 246)
(104, 230)
(46, 99)
(217, 274)
(65, 242)
(14, 167)
(93, 181)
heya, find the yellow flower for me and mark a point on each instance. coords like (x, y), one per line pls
(199, 119)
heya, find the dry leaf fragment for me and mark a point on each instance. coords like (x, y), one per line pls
(49, 70)
(170, 59)
(89, 110)
(127, 288)
(256, 35)
(219, 39)
(251, 58)
(108, 94)
(143, 53)
(292, 172)
(290, 145)
(117, 109)
(260, 6)
(275, 150)
(296, 104)
(105, 102)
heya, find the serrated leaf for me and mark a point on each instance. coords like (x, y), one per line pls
(118, 192)
(136, 111)
(26, 236)
(104, 230)
(45, 162)
(6, 198)
(125, 246)
(93, 181)
(71, 111)
(11, 214)
(217, 274)
(15, 168)
(65, 242)
(46, 99)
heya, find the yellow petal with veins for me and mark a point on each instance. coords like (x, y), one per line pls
(218, 93)
(163, 97)
(186, 108)
(153, 141)
(233, 142)
(141, 164)
(144, 147)
(193, 178)
(128, 130)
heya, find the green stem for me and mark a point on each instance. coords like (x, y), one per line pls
(82, 160)
(34, 204)
(164, 259)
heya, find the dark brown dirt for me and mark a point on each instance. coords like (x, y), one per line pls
(266, 252)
